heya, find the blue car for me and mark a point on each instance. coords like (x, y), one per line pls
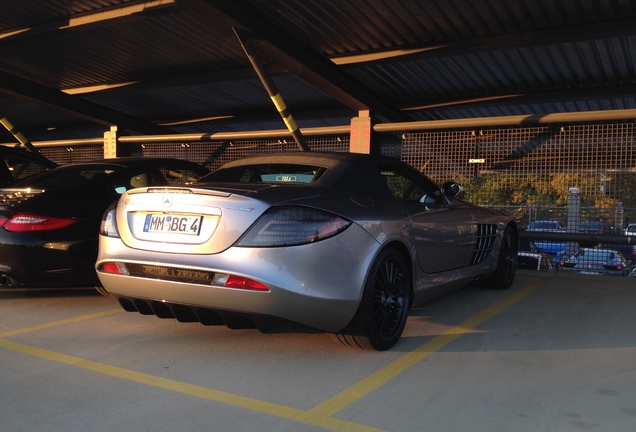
(549, 247)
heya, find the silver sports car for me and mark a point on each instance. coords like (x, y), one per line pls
(336, 242)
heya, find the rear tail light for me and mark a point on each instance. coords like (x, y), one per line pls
(108, 226)
(290, 226)
(23, 222)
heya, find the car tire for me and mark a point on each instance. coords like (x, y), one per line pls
(506, 260)
(381, 317)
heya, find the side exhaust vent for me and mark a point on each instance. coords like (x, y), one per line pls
(484, 241)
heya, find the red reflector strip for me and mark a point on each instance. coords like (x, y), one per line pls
(244, 283)
(114, 268)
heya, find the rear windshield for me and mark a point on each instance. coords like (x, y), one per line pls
(266, 173)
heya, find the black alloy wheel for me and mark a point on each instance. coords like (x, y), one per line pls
(381, 317)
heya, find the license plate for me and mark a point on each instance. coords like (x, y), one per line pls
(179, 224)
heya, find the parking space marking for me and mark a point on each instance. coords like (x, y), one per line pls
(321, 415)
(187, 389)
(364, 387)
(59, 323)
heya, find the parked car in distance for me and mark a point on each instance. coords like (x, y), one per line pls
(552, 248)
(627, 250)
(532, 258)
(630, 229)
(597, 262)
(546, 226)
(591, 227)
(17, 164)
(337, 242)
(49, 222)
(549, 247)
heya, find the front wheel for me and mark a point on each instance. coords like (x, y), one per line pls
(381, 317)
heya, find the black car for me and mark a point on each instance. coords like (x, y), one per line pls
(49, 222)
(17, 164)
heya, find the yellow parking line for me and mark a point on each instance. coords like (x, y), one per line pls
(350, 395)
(321, 415)
(185, 388)
(59, 323)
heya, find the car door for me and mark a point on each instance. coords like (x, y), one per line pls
(443, 234)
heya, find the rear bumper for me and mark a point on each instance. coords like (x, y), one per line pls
(317, 285)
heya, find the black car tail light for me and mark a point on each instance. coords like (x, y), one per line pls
(289, 226)
(24, 222)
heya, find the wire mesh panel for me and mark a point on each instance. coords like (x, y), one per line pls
(215, 153)
(67, 155)
(533, 167)
(441, 155)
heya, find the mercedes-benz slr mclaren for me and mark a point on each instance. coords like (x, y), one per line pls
(336, 242)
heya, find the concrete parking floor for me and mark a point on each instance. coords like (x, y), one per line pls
(555, 353)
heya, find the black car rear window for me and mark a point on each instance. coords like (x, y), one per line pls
(266, 173)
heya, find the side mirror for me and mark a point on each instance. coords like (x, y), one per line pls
(450, 189)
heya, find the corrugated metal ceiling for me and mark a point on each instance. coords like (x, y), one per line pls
(72, 68)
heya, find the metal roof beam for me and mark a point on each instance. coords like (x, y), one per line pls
(313, 68)
(177, 81)
(571, 34)
(73, 104)
(102, 15)
(562, 96)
